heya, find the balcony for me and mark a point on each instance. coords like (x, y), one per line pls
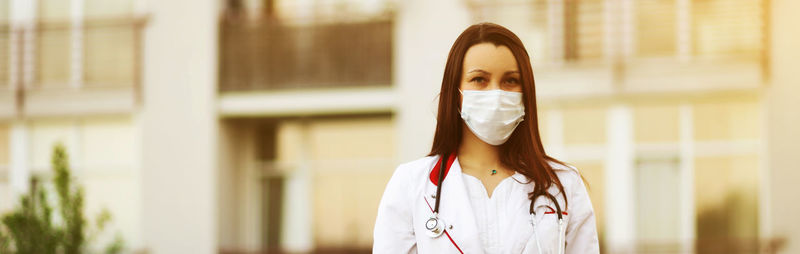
(57, 68)
(601, 48)
(270, 55)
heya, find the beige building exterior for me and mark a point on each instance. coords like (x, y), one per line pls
(70, 74)
(243, 126)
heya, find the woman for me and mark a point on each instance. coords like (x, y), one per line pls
(499, 192)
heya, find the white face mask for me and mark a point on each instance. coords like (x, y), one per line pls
(492, 115)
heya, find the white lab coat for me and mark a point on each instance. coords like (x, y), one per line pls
(407, 204)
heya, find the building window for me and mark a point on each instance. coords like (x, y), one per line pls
(583, 29)
(108, 8)
(109, 54)
(98, 48)
(657, 204)
(725, 27)
(5, 33)
(54, 43)
(727, 203)
(109, 41)
(655, 28)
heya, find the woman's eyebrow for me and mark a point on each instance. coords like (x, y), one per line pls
(478, 70)
(486, 72)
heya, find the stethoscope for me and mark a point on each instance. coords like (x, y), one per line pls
(436, 225)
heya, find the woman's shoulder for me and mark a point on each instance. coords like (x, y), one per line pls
(569, 175)
(562, 167)
(409, 178)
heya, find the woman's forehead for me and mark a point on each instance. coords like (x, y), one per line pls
(489, 58)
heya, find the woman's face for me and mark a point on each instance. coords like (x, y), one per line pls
(490, 67)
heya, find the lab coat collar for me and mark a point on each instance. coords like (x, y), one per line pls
(434, 175)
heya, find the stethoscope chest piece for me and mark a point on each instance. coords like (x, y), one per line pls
(435, 226)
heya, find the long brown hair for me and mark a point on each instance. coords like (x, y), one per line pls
(523, 151)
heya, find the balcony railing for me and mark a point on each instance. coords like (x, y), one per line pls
(638, 46)
(589, 29)
(66, 67)
(270, 55)
(96, 53)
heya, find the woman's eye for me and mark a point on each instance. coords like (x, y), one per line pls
(478, 79)
(512, 81)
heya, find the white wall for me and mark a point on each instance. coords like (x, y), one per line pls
(423, 38)
(179, 127)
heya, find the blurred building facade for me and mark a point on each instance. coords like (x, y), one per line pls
(70, 73)
(269, 125)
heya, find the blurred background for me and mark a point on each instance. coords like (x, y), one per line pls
(272, 126)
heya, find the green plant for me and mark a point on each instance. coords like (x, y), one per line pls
(30, 228)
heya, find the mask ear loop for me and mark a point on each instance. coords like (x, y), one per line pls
(461, 103)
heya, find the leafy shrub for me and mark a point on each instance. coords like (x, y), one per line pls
(35, 227)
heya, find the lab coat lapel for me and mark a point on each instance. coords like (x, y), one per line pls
(521, 231)
(456, 209)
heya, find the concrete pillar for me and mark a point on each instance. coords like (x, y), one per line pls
(298, 195)
(620, 195)
(687, 215)
(19, 171)
(780, 208)
(179, 127)
(21, 12)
